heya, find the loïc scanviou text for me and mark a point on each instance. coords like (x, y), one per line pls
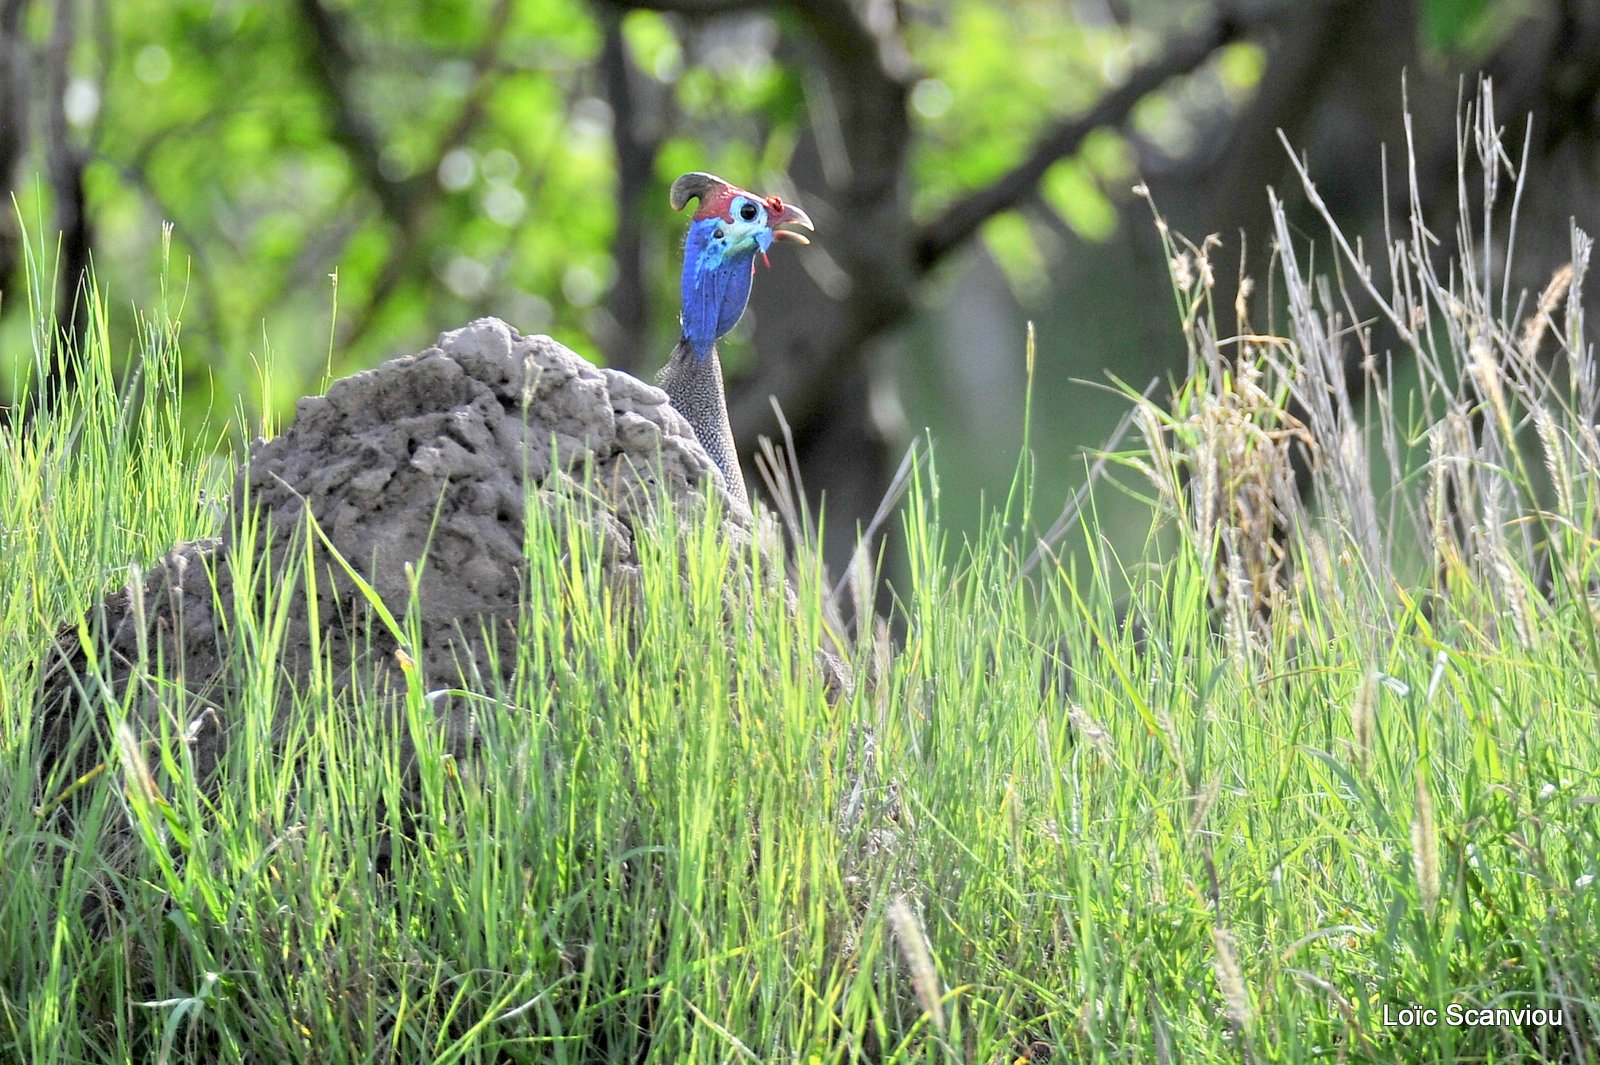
(1456, 1015)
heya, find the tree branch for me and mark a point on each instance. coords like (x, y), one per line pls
(64, 163)
(963, 218)
(331, 60)
(404, 202)
(852, 41)
(691, 7)
(476, 104)
(837, 25)
(13, 130)
(199, 274)
(638, 107)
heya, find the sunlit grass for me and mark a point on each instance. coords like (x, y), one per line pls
(1142, 807)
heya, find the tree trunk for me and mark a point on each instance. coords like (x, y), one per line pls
(819, 309)
(13, 136)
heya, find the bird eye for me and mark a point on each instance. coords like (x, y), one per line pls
(716, 234)
(748, 212)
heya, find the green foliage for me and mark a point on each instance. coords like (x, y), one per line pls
(211, 117)
(461, 161)
(1070, 189)
(1455, 24)
(994, 77)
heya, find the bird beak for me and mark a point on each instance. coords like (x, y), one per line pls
(789, 214)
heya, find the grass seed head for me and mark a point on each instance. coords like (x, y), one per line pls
(1425, 848)
(1230, 979)
(918, 958)
(1363, 714)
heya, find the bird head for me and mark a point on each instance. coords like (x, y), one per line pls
(728, 230)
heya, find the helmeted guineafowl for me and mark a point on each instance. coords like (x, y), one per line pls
(729, 230)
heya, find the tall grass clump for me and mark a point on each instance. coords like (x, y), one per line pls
(1318, 750)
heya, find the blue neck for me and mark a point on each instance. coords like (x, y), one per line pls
(716, 283)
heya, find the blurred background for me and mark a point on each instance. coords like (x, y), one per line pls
(344, 179)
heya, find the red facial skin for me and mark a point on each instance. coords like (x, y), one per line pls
(719, 204)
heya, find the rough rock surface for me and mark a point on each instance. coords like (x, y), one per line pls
(433, 453)
(430, 455)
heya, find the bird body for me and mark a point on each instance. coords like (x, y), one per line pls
(730, 228)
